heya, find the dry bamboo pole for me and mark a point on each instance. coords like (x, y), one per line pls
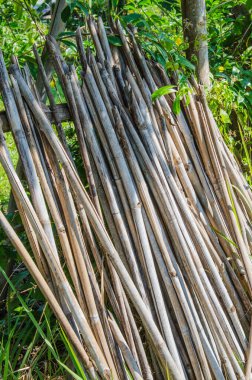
(163, 353)
(96, 253)
(199, 265)
(100, 108)
(121, 316)
(100, 85)
(129, 358)
(137, 216)
(143, 360)
(205, 297)
(212, 314)
(225, 185)
(225, 269)
(49, 296)
(47, 190)
(97, 293)
(30, 81)
(103, 115)
(147, 202)
(63, 74)
(72, 225)
(130, 60)
(199, 240)
(220, 225)
(55, 267)
(131, 261)
(94, 34)
(80, 256)
(50, 96)
(106, 48)
(24, 151)
(101, 164)
(38, 254)
(248, 368)
(104, 42)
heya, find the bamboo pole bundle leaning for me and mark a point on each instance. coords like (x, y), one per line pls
(157, 218)
(162, 352)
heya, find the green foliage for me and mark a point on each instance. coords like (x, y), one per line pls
(32, 343)
(165, 90)
(20, 29)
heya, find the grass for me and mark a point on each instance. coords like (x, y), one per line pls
(32, 343)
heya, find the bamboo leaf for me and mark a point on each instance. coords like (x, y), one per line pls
(115, 40)
(176, 106)
(66, 13)
(165, 90)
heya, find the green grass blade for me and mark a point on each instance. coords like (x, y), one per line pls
(72, 355)
(38, 327)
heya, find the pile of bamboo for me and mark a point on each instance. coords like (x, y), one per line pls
(148, 269)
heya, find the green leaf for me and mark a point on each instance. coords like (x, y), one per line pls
(84, 9)
(184, 62)
(115, 40)
(66, 34)
(249, 5)
(70, 44)
(162, 91)
(132, 17)
(74, 375)
(224, 117)
(72, 354)
(224, 237)
(176, 106)
(66, 13)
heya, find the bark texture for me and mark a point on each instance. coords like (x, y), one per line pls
(195, 33)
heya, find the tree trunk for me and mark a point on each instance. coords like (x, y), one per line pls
(195, 33)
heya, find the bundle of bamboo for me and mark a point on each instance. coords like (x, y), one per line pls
(156, 250)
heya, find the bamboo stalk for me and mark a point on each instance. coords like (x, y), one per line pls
(43, 286)
(163, 352)
(54, 264)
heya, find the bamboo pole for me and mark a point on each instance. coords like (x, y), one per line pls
(49, 296)
(163, 352)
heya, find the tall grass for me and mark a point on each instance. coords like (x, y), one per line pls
(32, 343)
